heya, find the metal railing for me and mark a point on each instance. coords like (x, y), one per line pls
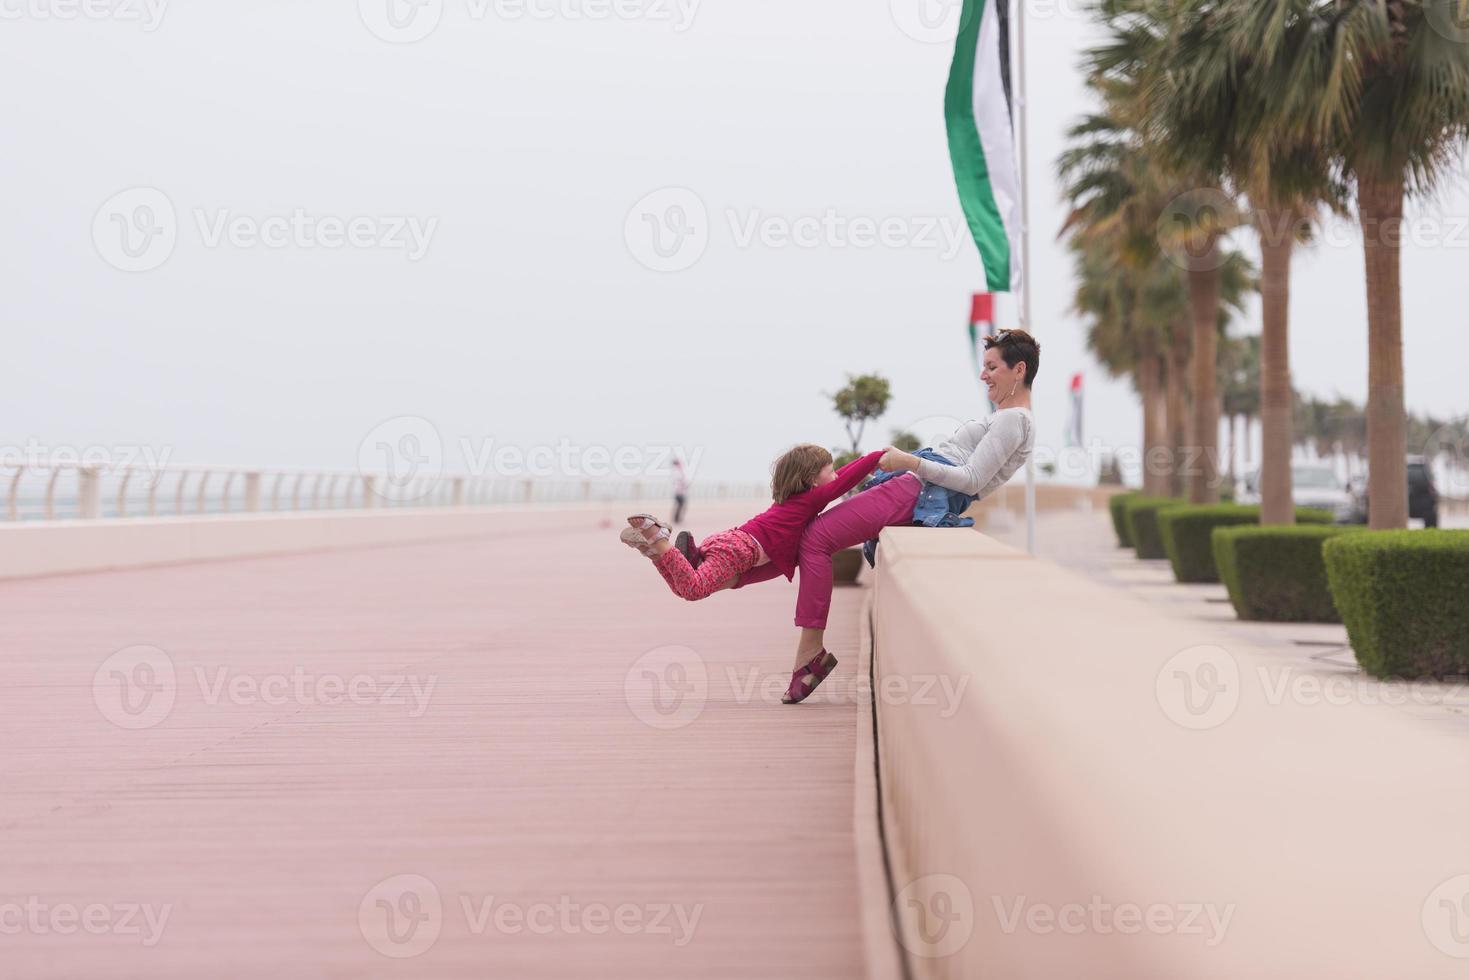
(67, 491)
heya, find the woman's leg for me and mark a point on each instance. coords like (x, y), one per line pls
(726, 556)
(848, 523)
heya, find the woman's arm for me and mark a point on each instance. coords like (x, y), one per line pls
(760, 573)
(1003, 439)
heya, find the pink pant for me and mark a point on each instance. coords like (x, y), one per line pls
(848, 523)
(726, 555)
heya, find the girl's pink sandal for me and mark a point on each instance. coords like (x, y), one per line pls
(818, 669)
(634, 535)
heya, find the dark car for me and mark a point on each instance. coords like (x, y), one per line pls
(1422, 495)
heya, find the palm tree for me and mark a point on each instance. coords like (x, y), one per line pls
(1117, 197)
(1383, 86)
(1200, 213)
(1239, 386)
(1125, 341)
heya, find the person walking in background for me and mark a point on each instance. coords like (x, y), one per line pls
(680, 490)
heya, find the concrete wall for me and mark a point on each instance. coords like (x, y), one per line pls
(1103, 756)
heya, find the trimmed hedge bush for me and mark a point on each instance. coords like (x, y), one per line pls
(1142, 524)
(1404, 596)
(1277, 573)
(1117, 504)
(1186, 530)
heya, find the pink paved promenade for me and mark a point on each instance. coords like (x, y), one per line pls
(485, 758)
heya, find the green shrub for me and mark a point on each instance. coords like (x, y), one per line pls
(1277, 573)
(1404, 596)
(1141, 513)
(1185, 532)
(1117, 504)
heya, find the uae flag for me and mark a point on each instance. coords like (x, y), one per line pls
(982, 142)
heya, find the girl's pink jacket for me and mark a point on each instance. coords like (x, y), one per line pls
(779, 529)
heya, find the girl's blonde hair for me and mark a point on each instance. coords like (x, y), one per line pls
(796, 470)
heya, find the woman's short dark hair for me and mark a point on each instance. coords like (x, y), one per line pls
(1016, 346)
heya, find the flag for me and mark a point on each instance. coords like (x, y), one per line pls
(1073, 423)
(982, 141)
(981, 326)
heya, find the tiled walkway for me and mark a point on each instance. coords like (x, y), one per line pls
(511, 756)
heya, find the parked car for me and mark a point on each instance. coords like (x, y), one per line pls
(1312, 485)
(1422, 495)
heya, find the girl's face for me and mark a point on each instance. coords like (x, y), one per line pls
(999, 377)
(827, 474)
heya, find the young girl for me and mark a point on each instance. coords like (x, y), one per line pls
(802, 483)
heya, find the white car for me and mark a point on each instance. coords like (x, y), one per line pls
(1311, 486)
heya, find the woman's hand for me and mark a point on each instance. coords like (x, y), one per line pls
(897, 461)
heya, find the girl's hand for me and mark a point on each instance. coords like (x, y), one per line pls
(896, 461)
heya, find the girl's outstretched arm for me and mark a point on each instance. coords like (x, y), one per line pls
(847, 477)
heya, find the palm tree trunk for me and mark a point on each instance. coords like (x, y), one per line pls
(1233, 448)
(1203, 295)
(1155, 436)
(1276, 246)
(1178, 439)
(1380, 203)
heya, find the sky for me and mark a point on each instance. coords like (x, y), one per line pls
(286, 234)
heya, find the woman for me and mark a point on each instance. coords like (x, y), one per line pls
(975, 461)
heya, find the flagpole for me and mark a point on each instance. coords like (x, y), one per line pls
(1028, 271)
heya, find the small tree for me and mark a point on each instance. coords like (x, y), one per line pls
(905, 441)
(864, 398)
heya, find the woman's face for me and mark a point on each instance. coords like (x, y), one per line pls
(827, 474)
(999, 377)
